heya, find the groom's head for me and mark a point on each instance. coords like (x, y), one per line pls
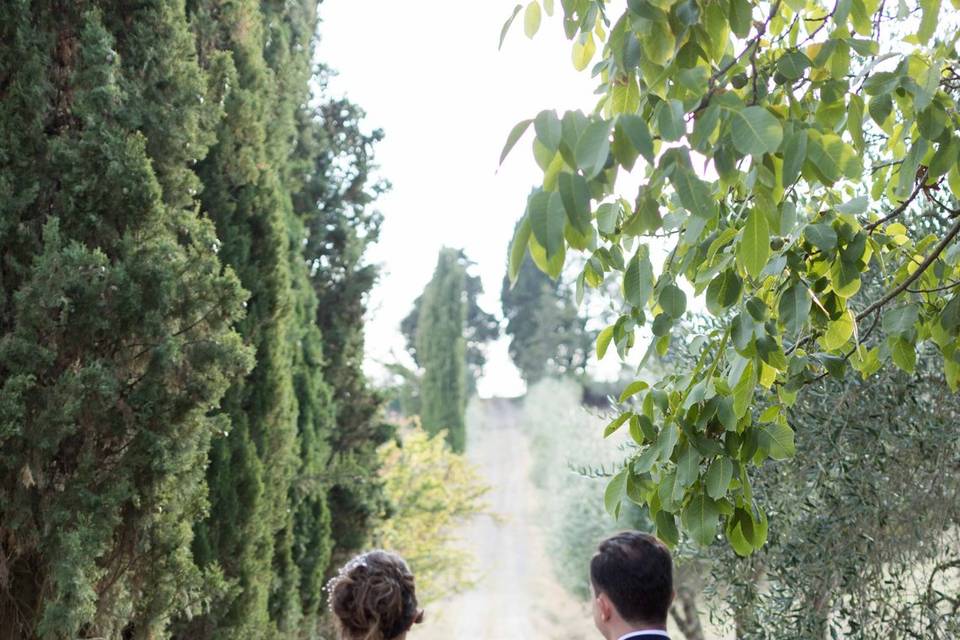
(632, 576)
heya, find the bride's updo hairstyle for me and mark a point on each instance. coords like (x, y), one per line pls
(373, 597)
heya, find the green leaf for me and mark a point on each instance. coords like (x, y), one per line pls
(700, 517)
(603, 341)
(547, 218)
(633, 388)
(794, 307)
(593, 147)
(667, 528)
(822, 236)
(518, 248)
(755, 131)
(832, 157)
(616, 423)
(903, 352)
(673, 301)
(583, 50)
(932, 121)
(754, 248)
(670, 120)
(576, 200)
(793, 65)
(794, 155)
(518, 130)
(723, 292)
(901, 321)
(718, 477)
(777, 440)
(506, 28)
(548, 128)
(741, 17)
(694, 193)
(638, 134)
(928, 23)
(688, 466)
(838, 332)
(638, 280)
(615, 492)
(531, 19)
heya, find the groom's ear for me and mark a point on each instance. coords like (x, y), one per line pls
(419, 617)
(604, 606)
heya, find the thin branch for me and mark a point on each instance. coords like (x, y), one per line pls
(943, 244)
(903, 206)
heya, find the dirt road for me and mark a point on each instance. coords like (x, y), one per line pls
(516, 596)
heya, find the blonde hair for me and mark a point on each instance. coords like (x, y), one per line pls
(374, 597)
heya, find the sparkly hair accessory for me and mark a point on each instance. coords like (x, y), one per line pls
(345, 570)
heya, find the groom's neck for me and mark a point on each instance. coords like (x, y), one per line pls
(621, 628)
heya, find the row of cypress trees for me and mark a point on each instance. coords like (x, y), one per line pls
(184, 421)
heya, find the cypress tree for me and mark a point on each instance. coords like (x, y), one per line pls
(479, 329)
(251, 468)
(441, 349)
(115, 316)
(333, 203)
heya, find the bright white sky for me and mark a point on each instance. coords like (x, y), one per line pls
(430, 75)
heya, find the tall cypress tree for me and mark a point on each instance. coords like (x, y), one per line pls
(251, 468)
(115, 316)
(441, 349)
(479, 329)
(333, 203)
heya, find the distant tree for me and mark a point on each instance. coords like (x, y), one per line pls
(548, 336)
(480, 328)
(441, 349)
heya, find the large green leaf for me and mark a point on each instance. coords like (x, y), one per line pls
(547, 218)
(755, 131)
(615, 492)
(794, 308)
(777, 440)
(700, 518)
(670, 120)
(754, 248)
(673, 301)
(576, 200)
(638, 280)
(694, 193)
(723, 292)
(719, 476)
(593, 147)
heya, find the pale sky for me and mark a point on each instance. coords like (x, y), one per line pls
(429, 74)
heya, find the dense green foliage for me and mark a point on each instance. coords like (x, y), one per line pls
(441, 349)
(548, 335)
(819, 127)
(864, 538)
(182, 288)
(479, 328)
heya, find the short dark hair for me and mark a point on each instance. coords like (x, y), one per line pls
(636, 572)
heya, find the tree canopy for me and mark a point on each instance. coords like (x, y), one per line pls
(782, 150)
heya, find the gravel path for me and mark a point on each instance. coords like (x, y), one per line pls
(516, 596)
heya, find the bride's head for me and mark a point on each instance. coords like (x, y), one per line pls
(373, 597)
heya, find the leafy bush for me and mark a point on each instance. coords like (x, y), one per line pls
(430, 490)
